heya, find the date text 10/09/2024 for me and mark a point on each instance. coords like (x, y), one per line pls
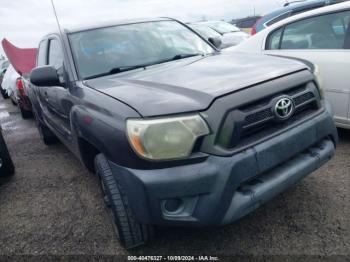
(173, 258)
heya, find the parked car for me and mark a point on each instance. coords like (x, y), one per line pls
(231, 35)
(13, 85)
(289, 10)
(22, 99)
(245, 24)
(6, 165)
(9, 82)
(3, 67)
(178, 133)
(4, 64)
(321, 36)
(209, 34)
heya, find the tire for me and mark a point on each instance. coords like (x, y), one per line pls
(6, 165)
(3, 93)
(129, 232)
(47, 136)
(25, 113)
(13, 102)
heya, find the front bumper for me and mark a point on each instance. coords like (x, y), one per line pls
(221, 190)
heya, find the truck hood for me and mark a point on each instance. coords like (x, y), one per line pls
(191, 84)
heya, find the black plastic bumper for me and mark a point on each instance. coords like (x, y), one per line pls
(221, 190)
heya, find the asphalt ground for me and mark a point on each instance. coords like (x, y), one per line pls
(53, 205)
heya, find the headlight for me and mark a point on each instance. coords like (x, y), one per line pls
(319, 80)
(165, 138)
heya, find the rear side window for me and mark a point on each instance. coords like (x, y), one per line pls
(41, 59)
(321, 32)
(55, 54)
(274, 39)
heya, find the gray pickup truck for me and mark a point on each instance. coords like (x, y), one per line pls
(179, 133)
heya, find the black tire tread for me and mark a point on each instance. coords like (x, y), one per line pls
(3, 93)
(131, 232)
(25, 113)
(8, 167)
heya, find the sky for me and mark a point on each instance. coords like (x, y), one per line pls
(24, 22)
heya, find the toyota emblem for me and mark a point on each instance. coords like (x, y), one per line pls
(284, 108)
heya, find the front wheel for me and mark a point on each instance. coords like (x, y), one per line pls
(6, 165)
(3, 93)
(129, 232)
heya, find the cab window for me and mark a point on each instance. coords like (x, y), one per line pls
(41, 58)
(55, 54)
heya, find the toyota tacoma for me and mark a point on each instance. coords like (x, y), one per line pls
(178, 133)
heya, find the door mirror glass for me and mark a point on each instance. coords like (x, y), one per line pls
(44, 76)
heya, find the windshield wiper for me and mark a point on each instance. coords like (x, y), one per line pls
(121, 69)
(127, 68)
(181, 56)
(117, 70)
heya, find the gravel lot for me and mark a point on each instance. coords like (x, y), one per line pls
(52, 205)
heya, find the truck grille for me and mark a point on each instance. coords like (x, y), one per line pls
(267, 113)
(258, 119)
(259, 116)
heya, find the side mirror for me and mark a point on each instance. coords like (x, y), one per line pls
(44, 76)
(215, 41)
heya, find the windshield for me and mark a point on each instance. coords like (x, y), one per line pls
(223, 27)
(109, 50)
(205, 31)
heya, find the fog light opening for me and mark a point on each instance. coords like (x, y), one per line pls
(173, 206)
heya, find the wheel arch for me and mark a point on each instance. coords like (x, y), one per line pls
(88, 151)
(89, 143)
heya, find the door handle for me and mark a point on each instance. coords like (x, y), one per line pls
(46, 97)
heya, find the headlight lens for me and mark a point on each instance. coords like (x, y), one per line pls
(167, 138)
(319, 80)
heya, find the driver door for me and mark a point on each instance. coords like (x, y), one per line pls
(45, 93)
(60, 97)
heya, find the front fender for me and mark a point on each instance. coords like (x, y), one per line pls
(102, 129)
